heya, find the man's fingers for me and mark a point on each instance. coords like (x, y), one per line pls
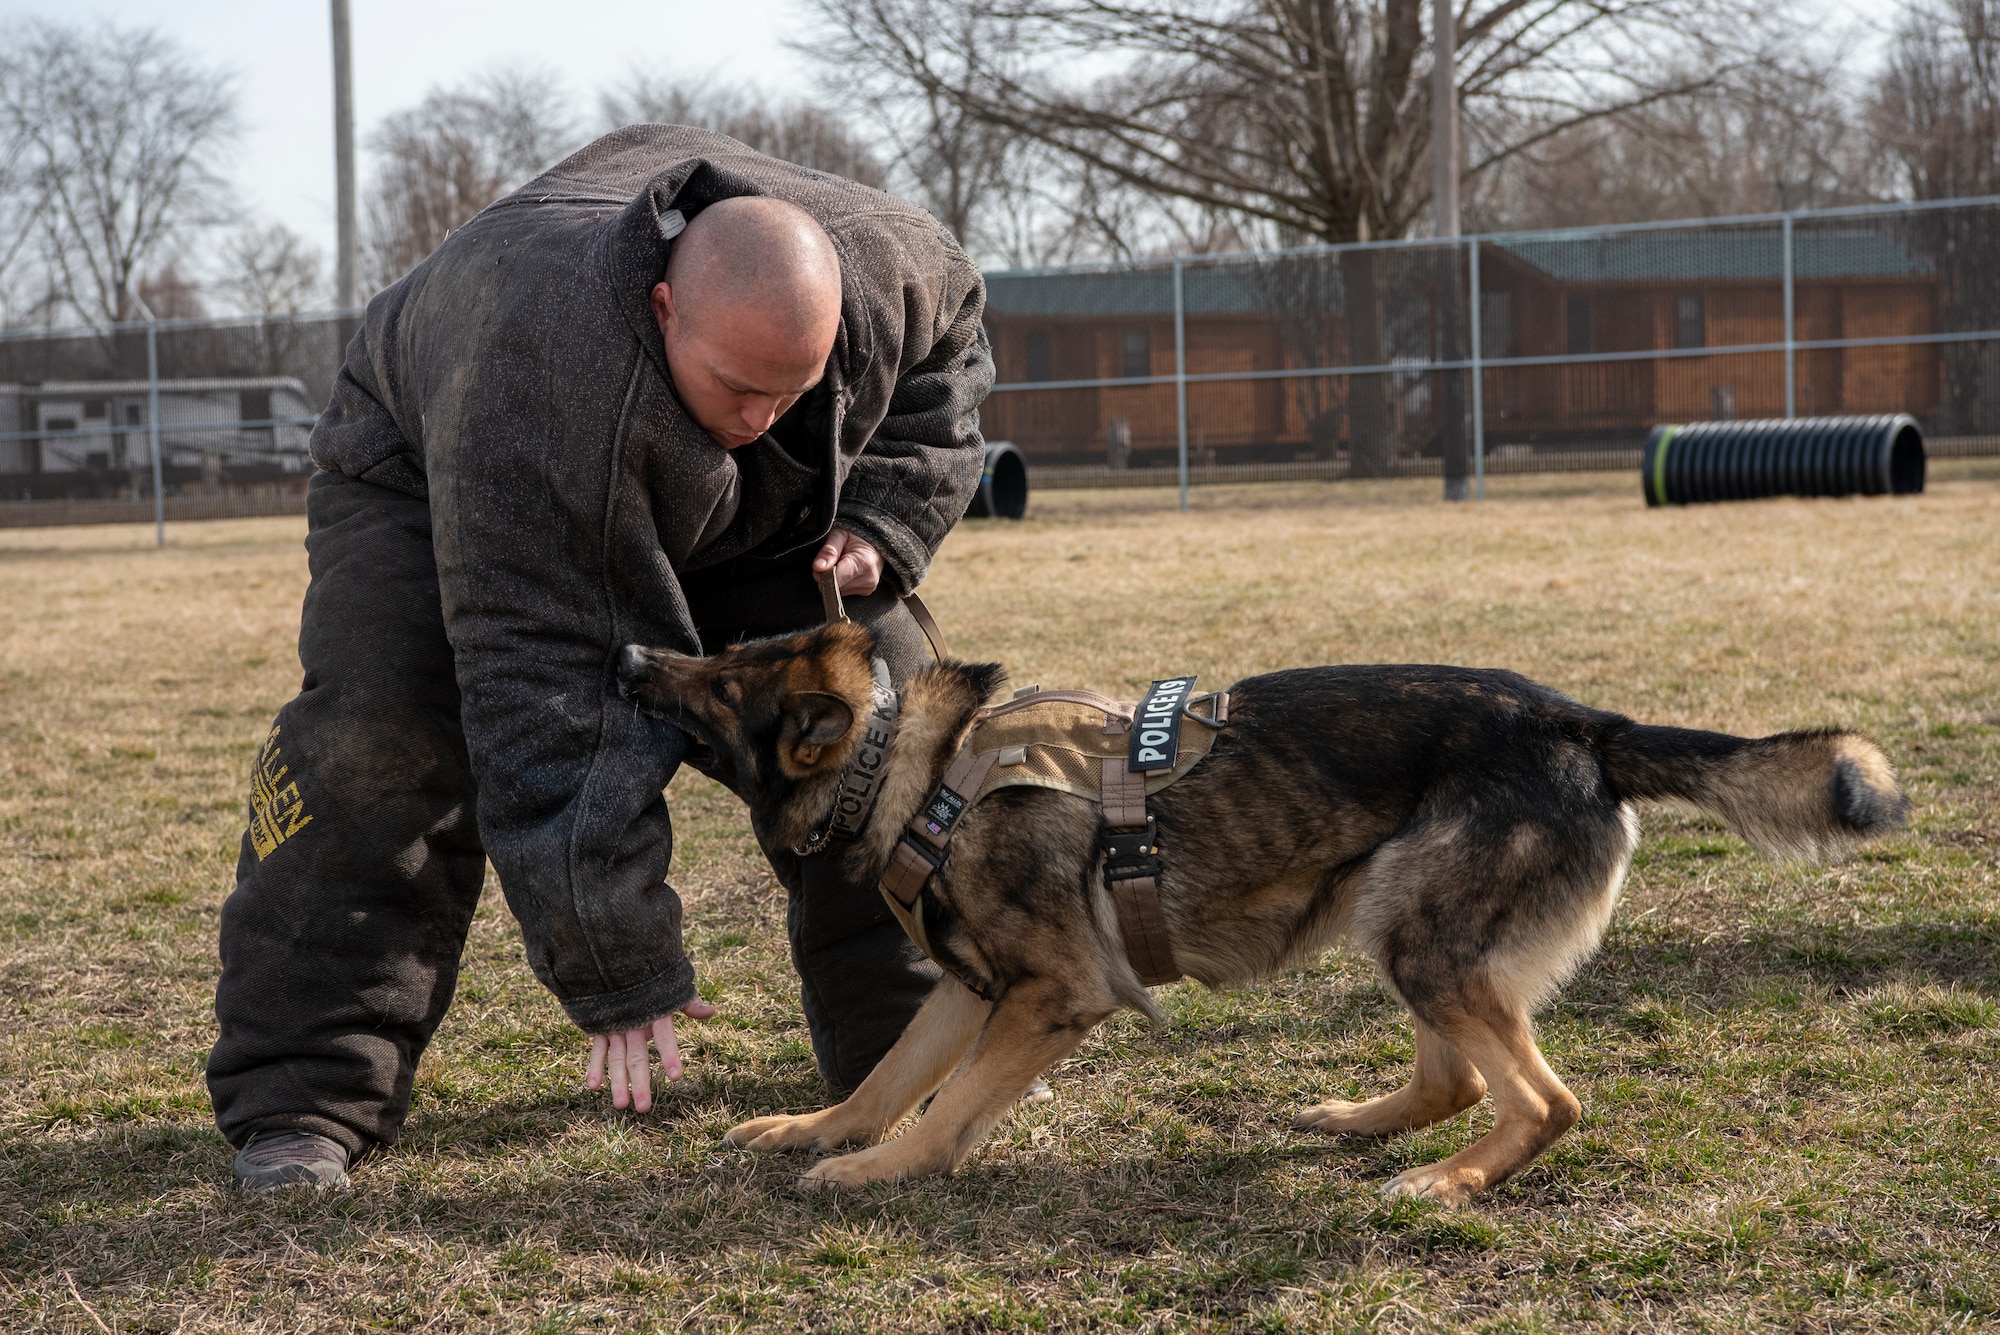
(616, 1061)
(593, 1078)
(669, 1045)
(698, 1010)
(639, 1069)
(860, 569)
(828, 554)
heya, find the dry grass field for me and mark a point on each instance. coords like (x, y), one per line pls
(1787, 1072)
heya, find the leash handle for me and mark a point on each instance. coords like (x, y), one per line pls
(829, 594)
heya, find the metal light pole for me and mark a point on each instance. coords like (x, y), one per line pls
(343, 158)
(1444, 210)
(1444, 119)
(153, 418)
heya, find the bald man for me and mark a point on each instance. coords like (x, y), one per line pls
(641, 399)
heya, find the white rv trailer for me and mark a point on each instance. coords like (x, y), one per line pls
(91, 437)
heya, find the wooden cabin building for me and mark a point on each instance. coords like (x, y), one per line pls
(1670, 292)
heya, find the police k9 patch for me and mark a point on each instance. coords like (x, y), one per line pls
(1156, 726)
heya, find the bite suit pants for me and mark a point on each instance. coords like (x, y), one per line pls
(358, 877)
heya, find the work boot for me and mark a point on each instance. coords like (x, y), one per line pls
(276, 1159)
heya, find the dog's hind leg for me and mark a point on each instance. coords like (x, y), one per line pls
(1036, 1024)
(1531, 1107)
(1443, 1085)
(930, 1047)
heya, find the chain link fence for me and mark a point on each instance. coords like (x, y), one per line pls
(165, 419)
(1501, 353)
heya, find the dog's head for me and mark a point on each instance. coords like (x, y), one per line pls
(766, 716)
(775, 721)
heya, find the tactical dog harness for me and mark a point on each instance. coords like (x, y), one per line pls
(1076, 742)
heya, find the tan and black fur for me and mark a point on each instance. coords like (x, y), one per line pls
(1466, 829)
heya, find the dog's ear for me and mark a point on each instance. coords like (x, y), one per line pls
(815, 721)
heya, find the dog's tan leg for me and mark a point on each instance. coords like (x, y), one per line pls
(1531, 1109)
(1443, 1085)
(930, 1047)
(1035, 1025)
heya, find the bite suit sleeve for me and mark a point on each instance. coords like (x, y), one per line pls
(923, 454)
(548, 562)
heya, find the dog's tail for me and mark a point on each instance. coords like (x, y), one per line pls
(1792, 794)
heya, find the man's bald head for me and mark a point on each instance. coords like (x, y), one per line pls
(758, 260)
(748, 312)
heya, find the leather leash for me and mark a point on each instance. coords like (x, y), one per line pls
(836, 610)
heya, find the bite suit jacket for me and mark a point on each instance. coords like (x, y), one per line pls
(516, 378)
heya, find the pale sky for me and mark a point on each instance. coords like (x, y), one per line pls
(280, 54)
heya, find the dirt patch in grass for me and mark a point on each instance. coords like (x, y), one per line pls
(1789, 1120)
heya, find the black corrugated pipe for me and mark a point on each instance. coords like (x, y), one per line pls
(1805, 456)
(1003, 486)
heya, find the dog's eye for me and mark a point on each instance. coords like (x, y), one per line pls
(724, 691)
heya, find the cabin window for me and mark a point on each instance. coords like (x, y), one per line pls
(59, 424)
(1496, 324)
(1138, 352)
(253, 405)
(93, 408)
(1038, 355)
(1576, 325)
(1690, 321)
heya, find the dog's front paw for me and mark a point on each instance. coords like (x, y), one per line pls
(883, 1163)
(812, 1131)
(1449, 1187)
(1336, 1117)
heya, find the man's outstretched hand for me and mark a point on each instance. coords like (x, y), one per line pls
(630, 1061)
(857, 566)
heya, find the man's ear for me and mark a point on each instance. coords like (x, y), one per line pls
(820, 720)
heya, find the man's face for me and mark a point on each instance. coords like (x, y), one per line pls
(734, 378)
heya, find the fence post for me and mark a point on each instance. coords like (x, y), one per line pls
(1180, 377)
(1478, 389)
(1791, 330)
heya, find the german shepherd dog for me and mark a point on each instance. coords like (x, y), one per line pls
(1467, 829)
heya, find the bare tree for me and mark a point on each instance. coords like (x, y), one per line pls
(20, 202)
(122, 139)
(1935, 106)
(800, 132)
(1311, 116)
(1935, 112)
(906, 67)
(1777, 135)
(270, 270)
(171, 294)
(457, 151)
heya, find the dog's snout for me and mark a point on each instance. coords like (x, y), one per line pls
(632, 666)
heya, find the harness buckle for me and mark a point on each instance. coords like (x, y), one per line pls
(1130, 852)
(929, 855)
